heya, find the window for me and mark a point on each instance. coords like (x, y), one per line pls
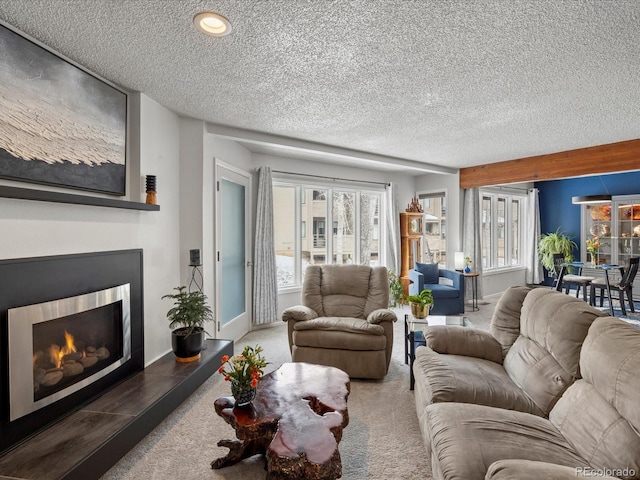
(501, 230)
(435, 227)
(345, 228)
(284, 235)
(319, 237)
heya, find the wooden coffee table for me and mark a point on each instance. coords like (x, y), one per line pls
(296, 421)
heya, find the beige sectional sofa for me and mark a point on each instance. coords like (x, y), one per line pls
(561, 403)
(524, 362)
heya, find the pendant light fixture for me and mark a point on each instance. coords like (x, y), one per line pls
(593, 199)
(590, 199)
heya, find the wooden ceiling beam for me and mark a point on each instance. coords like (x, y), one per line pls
(609, 158)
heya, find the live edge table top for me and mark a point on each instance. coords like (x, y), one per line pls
(296, 420)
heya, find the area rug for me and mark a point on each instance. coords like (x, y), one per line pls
(631, 317)
(382, 441)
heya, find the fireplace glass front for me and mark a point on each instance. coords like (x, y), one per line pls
(57, 348)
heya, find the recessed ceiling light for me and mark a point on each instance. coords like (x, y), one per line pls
(212, 23)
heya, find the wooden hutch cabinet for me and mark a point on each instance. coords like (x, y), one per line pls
(411, 226)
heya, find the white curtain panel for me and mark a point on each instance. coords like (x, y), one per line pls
(265, 280)
(532, 260)
(393, 228)
(471, 230)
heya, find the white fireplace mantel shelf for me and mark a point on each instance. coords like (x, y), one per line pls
(58, 197)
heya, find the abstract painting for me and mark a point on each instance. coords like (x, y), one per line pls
(59, 125)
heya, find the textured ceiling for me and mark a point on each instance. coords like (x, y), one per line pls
(452, 83)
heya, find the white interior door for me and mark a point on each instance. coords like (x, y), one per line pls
(233, 250)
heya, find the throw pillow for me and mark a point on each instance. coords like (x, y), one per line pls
(430, 272)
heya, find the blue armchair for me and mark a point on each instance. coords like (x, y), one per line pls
(448, 296)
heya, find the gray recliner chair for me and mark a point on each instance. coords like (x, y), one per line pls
(343, 321)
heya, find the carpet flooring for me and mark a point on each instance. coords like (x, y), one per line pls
(381, 442)
(632, 317)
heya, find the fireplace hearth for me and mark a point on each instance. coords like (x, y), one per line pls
(57, 348)
(71, 327)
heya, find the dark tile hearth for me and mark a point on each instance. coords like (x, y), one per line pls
(85, 444)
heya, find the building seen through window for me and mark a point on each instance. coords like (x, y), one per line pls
(353, 237)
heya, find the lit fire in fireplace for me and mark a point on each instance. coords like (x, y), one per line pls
(64, 361)
(57, 354)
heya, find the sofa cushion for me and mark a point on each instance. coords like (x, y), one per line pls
(336, 340)
(456, 340)
(599, 413)
(505, 323)
(429, 271)
(596, 429)
(340, 324)
(333, 291)
(443, 291)
(537, 373)
(466, 439)
(531, 470)
(462, 379)
(611, 363)
(544, 360)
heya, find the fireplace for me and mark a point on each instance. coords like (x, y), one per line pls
(57, 348)
(70, 328)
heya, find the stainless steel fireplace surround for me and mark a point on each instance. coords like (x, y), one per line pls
(21, 321)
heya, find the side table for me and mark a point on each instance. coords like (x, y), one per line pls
(474, 289)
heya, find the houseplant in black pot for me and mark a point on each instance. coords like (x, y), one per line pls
(187, 317)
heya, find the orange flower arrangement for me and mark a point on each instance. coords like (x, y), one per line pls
(244, 370)
(593, 245)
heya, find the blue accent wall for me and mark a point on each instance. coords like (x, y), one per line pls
(557, 211)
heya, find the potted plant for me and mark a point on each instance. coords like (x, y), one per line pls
(551, 243)
(187, 317)
(421, 303)
(396, 290)
(244, 371)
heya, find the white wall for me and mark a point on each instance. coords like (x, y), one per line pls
(159, 232)
(31, 228)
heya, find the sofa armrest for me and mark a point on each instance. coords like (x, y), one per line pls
(455, 277)
(381, 315)
(470, 342)
(292, 315)
(533, 470)
(417, 282)
(298, 313)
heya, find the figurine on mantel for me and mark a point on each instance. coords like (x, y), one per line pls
(414, 206)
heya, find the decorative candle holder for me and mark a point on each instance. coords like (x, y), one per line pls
(151, 190)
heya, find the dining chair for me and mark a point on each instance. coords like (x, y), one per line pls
(625, 285)
(571, 280)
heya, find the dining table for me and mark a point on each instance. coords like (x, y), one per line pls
(605, 267)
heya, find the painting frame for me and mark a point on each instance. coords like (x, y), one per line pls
(60, 124)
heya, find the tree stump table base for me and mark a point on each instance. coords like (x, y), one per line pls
(296, 421)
